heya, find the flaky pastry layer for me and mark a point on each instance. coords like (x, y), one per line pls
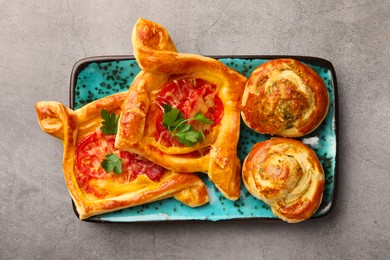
(156, 55)
(287, 175)
(71, 126)
(284, 97)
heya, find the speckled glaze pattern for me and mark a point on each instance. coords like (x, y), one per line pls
(94, 79)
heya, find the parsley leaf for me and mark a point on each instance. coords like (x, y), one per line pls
(167, 107)
(188, 136)
(170, 117)
(109, 123)
(178, 127)
(201, 118)
(112, 163)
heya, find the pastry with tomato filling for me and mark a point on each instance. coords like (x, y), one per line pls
(183, 110)
(287, 175)
(102, 178)
(284, 97)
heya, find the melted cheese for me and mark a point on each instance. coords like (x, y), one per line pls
(112, 187)
(115, 189)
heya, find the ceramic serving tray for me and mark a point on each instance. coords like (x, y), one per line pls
(96, 77)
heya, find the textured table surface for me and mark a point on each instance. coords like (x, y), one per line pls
(41, 40)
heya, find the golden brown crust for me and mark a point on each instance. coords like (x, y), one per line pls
(287, 175)
(70, 126)
(157, 56)
(284, 97)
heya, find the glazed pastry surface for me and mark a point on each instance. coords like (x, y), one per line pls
(193, 84)
(95, 191)
(284, 97)
(287, 175)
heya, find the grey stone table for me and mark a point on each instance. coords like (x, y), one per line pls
(41, 40)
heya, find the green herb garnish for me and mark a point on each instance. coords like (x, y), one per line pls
(178, 127)
(110, 123)
(112, 163)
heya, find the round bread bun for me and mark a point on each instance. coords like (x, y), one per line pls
(284, 97)
(287, 175)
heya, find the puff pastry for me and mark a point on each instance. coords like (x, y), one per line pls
(287, 175)
(192, 84)
(95, 191)
(284, 97)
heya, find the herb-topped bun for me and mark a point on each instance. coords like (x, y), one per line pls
(284, 97)
(287, 175)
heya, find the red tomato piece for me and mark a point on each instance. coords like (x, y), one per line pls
(92, 150)
(136, 165)
(190, 96)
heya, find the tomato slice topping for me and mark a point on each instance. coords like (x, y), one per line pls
(190, 96)
(92, 150)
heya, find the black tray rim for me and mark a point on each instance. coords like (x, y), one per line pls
(317, 61)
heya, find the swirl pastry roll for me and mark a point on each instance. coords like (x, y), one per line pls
(284, 97)
(89, 148)
(287, 175)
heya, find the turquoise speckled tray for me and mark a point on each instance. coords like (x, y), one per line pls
(96, 77)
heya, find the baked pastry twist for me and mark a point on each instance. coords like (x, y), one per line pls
(284, 97)
(285, 174)
(193, 86)
(95, 191)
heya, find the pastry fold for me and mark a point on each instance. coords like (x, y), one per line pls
(216, 155)
(287, 175)
(284, 97)
(95, 193)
